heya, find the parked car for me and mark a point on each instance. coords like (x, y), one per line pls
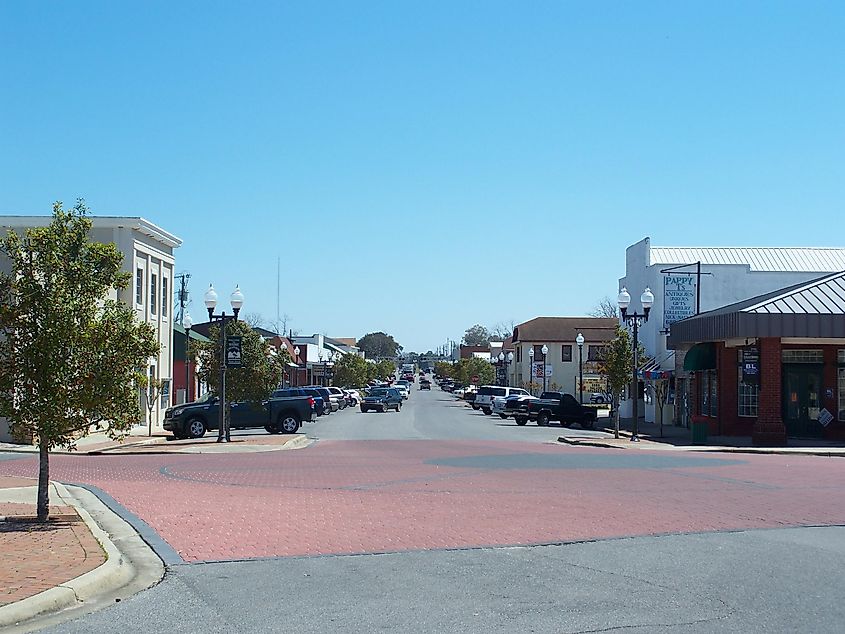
(337, 395)
(517, 406)
(353, 397)
(279, 413)
(332, 404)
(382, 399)
(320, 404)
(486, 393)
(403, 388)
(425, 384)
(598, 397)
(500, 403)
(561, 407)
(447, 386)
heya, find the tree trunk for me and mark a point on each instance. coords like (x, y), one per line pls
(616, 416)
(43, 481)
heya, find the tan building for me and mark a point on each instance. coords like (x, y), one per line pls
(560, 366)
(148, 255)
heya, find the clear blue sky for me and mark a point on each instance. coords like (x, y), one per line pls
(423, 166)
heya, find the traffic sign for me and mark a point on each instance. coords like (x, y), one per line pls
(474, 379)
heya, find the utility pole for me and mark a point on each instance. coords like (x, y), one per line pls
(183, 294)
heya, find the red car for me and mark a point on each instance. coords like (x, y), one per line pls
(408, 376)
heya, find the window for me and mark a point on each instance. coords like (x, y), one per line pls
(165, 297)
(139, 287)
(748, 395)
(802, 356)
(538, 352)
(566, 352)
(595, 353)
(153, 295)
(709, 397)
(519, 353)
(165, 393)
(842, 394)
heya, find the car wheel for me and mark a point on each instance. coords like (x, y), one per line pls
(196, 428)
(587, 424)
(364, 410)
(487, 411)
(398, 406)
(288, 423)
(520, 420)
(566, 423)
(503, 416)
(271, 429)
(543, 419)
(476, 407)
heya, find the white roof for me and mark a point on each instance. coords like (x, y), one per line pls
(792, 259)
(133, 222)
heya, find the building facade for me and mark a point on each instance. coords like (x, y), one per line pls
(690, 280)
(559, 371)
(148, 256)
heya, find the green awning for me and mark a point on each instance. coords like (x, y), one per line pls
(702, 356)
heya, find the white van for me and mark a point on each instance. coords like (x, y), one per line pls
(486, 394)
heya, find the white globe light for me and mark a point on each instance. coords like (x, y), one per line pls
(236, 298)
(545, 350)
(647, 298)
(187, 322)
(510, 357)
(210, 297)
(579, 339)
(624, 299)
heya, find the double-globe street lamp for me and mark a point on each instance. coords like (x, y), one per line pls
(634, 320)
(236, 299)
(531, 366)
(545, 351)
(504, 362)
(580, 341)
(296, 356)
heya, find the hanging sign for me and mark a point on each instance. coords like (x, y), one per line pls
(751, 366)
(233, 351)
(678, 298)
(825, 417)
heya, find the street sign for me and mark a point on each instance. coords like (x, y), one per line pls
(474, 379)
(233, 351)
(541, 370)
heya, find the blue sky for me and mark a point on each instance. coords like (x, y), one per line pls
(423, 166)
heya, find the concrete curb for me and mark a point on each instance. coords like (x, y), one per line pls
(83, 592)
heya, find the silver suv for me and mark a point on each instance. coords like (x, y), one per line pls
(486, 394)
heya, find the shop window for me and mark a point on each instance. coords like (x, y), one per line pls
(709, 395)
(566, 352)
(748, 394)
(802, 356)
(842, 394)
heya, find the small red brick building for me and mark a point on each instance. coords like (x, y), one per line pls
(772, 366)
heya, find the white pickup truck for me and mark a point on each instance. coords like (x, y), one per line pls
(486, 394)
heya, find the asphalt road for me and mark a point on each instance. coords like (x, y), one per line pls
(461, 522)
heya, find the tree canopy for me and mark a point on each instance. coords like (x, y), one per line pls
(352, 371)
(379, 345)
(71, 358)
(476, 335)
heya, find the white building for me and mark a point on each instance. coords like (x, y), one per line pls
(148, 256)
(728, 275)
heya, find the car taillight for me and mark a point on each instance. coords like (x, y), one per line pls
(311, 401)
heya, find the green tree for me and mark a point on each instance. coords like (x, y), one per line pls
(385, 368)
(378, 345)
(70, 357)
(443, 368)
(476, 335)
(351, 371)
(465, 369)
(260, 373)
(617, 366)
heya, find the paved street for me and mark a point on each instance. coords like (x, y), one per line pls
(436, 486)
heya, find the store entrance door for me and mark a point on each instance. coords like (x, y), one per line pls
(802, 397)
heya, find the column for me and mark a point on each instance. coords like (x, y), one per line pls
(769, 429)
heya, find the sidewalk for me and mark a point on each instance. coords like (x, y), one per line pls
(251, 441)
(680, 439)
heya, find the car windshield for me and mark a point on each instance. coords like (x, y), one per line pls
(378, 392)
(205, 398)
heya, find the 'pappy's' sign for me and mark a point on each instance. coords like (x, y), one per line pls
(678, 298)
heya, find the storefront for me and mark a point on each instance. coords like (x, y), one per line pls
(769, 367)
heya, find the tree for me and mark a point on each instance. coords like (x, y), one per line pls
(71, 358)
(378, 345)
(443, 368)
(476, 335)
(351, 371)
(617, 366)
(605, 308)
(502, 330)
(152, 392)
(384, 368)
(260, 373)
(465, 369)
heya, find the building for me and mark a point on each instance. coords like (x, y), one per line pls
(185, 369)
(772, 366)
(560, 368)
(148, 256)
(474, 352)
(727, 275)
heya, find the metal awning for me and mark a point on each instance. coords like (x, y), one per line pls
(702, 356)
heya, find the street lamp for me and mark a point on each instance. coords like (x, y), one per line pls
(531, 364)
(236, 299)
(580, 341)
(505, 360)
(634, 320)
(296, 356)
(545, 351)
(187, 322)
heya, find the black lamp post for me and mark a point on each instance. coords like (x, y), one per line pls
(634, 320)
(580, 341)
(545, 351)
(236, 299)
(296, 355)
(505, 360)
(187, 322)
(531, 365)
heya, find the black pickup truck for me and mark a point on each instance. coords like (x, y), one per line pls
(277, 414)
(561, 407)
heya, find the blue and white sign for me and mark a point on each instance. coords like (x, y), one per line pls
(678, 298)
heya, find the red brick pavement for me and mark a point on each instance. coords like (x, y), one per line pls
(375, 496)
